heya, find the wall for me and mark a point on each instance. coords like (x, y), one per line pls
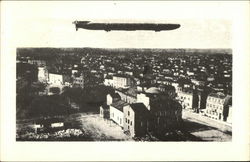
(42, 74)
(128, 126)
(116, 115)
(56, 79)
(109, 99)
(142, 98)
(214, 108)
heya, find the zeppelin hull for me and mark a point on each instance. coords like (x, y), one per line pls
(124, 26)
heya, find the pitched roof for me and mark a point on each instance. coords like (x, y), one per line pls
(153, 90)
(119, 105)
(139, 108)
(159, 104)
(217, 95)
(105, 106)
(115, 95)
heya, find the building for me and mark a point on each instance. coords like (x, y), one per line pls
(43, 74)
(168, 90)
(188, 98)
(127, 95)
(104, 111)
(142, 87)
(108, 81)
(198, 82)
(202, 93)
(59, 79)
(111, 98)
(149, 94)
(56, 79)
(165, 113)
(121, 81)
(229, 117)
(37, 62)
(217, 106)
(136, 117)
(165, 116)
(116, 112)
(78, 81)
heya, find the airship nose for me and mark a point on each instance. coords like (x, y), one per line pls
(75, 22)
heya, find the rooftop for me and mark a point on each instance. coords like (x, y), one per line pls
(217, 95)
(114, 95)
(153, 90)
(119, 105)
(139, 108)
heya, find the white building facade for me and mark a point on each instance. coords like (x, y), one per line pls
(216, 106)
(42, 74)
(121, 82)
(55, 79)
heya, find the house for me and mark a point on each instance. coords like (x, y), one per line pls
(168, 90)
(59, 79)
(111, 98)
(121, 81)
(105, 109)
(78, 80)
(56, 125)
(127, 95)
(188, 98)
(145, 97)
(74, 71)
(136, 117)
(56, 79)
(198, 82)
(37, 62)
(217, 106)
(42, 74)
(108, 81)
(116, 112)
(128, 73)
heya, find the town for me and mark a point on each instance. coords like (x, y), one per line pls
(140, 94)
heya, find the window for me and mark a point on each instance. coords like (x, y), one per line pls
(126, 120)
(128, 113)
(131, 123)
(158, 120)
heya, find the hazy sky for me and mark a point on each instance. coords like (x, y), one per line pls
(50, 25)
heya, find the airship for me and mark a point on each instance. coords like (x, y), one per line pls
(124, 26)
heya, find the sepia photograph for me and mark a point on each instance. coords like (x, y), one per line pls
(85, 74)
(97, 94)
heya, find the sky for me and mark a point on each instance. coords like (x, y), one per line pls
(49, 24)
